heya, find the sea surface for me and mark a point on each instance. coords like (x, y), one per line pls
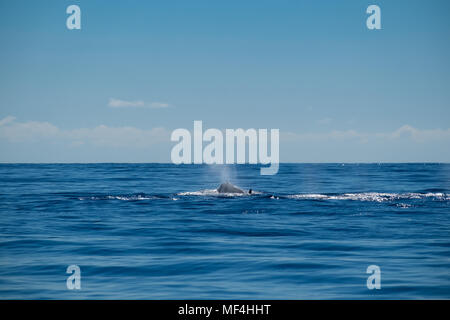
(161, 231)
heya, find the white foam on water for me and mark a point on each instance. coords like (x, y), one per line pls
(371, 196)
(206, 192)
(119, 197)
(363, 196)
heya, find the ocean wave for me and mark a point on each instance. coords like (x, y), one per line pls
(363, 196)
(372, 196)
(134, 197)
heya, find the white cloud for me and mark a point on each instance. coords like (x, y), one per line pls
(102, 135)
(118, 136)
(25, 131)
(117, 103)
(7, 120)
(44, 141)
(419, 135)
(405, 131)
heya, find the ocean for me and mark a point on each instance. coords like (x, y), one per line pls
(161, 231)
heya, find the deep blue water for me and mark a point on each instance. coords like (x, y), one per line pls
(159, 231)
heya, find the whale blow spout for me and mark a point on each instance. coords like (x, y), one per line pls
(228, 188)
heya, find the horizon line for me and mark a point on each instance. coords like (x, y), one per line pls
(240, 164)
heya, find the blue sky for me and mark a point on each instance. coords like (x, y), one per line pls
(114, 90)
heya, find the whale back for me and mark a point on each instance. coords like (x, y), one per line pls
(228, 188)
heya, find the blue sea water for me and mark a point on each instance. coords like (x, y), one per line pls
(160, 231)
